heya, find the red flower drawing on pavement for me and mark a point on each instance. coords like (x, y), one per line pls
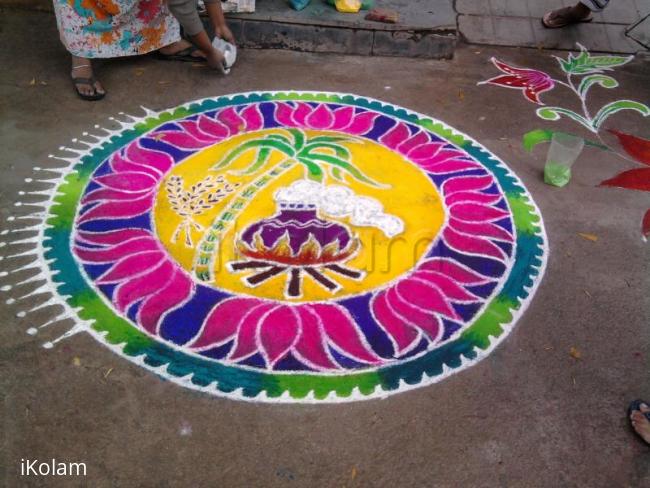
(531, 81)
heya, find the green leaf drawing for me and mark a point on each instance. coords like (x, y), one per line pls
(339, 151)
(613, 107)
(584, 63)
(319, 139)
(279, 137)
(314, 171)
(336, 173)
(602, 80)
(298, 138)
(535, 137)
(554, 113)
(345, 166)
(271, 143)
(262, 157)
(538, 136)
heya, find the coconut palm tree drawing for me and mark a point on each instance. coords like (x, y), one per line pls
(320, 156)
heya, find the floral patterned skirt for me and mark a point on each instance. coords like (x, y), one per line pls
(113, 28)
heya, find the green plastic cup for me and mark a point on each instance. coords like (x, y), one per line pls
(562, 153)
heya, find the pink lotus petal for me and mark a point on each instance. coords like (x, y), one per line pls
(401, 309)
(192, 128)
(417, 139)
(321, 118)
(362, 123)
(129, 292)
(311, 345)
(105, 194)
(300, 114)
(156, 160)
(484, 229)
(111, 254)
(284, 114)
(223, 321)
(131, 266)
(443, 156)
(177, 290)
(231, 119)
(246, 343)
(476, 212)
(425, 151)
(472, 196)
(341, 330)
(398, 134)
(127, 181)
(119, 164)
(278, 333)
(401, 334)
(253, 118)
(425, 296)
(446, 285)
(342, 117)
(419, 318)
(111, 210)
(472, 245)
(450, 166)
(213, 128)
(111, 236)
(182, 140)
(466, 183)
(455, 271)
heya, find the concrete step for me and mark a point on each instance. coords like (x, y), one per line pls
(426, 29)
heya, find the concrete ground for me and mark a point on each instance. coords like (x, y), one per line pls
(530, 415)
(518, 23)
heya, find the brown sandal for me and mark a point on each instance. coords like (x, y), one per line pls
(563, 17)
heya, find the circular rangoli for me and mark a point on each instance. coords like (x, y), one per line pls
(295, 247)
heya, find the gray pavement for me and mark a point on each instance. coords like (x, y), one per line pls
(518, 23)
(530, 415)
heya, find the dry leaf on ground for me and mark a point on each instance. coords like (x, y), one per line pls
(574, 353)
(589, 237)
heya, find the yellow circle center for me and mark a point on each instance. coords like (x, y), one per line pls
(196, 197)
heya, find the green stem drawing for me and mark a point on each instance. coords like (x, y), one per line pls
(591, 69)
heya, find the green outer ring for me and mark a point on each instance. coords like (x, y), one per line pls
(245, 384)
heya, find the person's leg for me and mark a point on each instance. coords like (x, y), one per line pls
(186, 13)
(218, 20)
(82, 69)
(595, 5)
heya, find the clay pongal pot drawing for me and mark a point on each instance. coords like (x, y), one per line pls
(296, 241)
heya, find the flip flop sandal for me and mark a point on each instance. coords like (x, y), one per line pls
(562, 17)
(185, 55)
(636, 406)
(90, 82)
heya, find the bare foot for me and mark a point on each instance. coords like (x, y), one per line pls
(640, 422)
(88, 86)
(180, 46)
